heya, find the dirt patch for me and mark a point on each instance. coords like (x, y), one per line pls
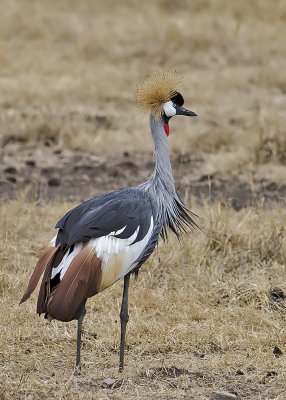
(237, 382)
(74, 176)
(173, 372)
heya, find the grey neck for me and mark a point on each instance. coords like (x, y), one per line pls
(163, 169)
(170, 211)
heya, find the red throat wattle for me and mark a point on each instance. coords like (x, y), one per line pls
(167, 130)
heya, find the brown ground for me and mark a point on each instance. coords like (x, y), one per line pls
(204, 315)
(79, 176)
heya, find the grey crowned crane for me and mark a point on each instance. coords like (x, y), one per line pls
(111, 236)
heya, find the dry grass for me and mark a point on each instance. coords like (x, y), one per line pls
(65, 65)
(199, 312)
(202, 307)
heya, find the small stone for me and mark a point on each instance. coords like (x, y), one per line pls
(277, 352)
(205, 178)
(173, 383)
(265, 393)
(30, 163)
(108, 383)
(271, 373)
(277, 298)
(271, 186)
(200, 355)
(276, 293)
(54, 182)
(223, 396)
(10, 170)
(11, 179)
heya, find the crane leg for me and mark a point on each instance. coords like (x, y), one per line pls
(78, 340)
(123, 319)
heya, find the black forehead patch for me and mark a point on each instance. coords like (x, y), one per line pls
(178, 99)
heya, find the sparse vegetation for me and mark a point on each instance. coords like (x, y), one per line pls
(207, 314)
(202, 306)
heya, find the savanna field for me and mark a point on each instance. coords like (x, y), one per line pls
(205, 314)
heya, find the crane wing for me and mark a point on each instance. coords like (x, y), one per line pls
(119, 213)
(99, 242)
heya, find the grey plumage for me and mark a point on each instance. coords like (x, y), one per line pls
(133, 207)
(108, 213)
(110, 236)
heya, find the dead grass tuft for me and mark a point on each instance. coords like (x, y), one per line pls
(198, 312)
(271, 149)
(213, 140)
(201, 311)
(236, 243)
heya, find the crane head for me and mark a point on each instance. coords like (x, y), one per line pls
(172, 107)
(158, 95)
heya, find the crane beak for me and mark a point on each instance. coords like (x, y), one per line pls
(183, 111)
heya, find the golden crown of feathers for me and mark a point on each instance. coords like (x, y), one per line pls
(155, 90)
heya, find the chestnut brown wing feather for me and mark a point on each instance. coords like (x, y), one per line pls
(38, 271)
(45, 288)
(81, 280)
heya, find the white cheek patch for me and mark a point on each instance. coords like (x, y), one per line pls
(169, 109)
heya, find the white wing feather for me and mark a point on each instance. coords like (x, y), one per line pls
(118, 255)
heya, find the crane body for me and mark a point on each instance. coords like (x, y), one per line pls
(111, 236)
